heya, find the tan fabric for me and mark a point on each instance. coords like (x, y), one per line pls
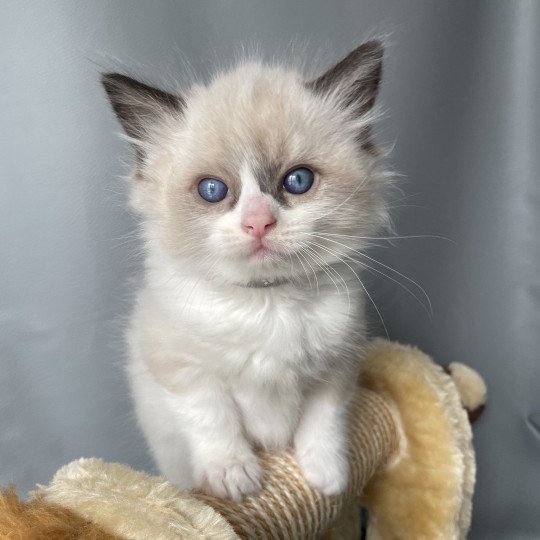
(133, 504)
(470, 385)
(427, 494)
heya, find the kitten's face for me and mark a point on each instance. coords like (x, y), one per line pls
(254, 176)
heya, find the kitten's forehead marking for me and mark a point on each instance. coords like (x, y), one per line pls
(251, 186)
(262, 175)
(266, 173)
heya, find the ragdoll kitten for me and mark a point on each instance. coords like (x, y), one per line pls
(257, 192)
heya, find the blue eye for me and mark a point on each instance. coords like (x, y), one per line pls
(212, 189)
(298, 181)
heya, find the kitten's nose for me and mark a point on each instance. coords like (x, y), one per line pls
(258, 221)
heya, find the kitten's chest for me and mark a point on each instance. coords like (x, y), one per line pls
(263, 333)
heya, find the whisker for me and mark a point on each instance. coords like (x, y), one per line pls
(326, 269)
(314, 273)
(361, 254)
(410, 280)
(340, 277)
(304, 268)
(371, 269)
(412, 236)
(361, 284)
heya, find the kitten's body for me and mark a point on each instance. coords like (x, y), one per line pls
(267, 351)
(241, 341)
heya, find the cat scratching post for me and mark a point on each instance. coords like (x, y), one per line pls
(288, 507)
(412, 464)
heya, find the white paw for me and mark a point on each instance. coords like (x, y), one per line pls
(233, 479)
(325, 469)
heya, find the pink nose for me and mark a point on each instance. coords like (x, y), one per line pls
(258, 221)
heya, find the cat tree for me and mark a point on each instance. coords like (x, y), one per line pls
(412, 466)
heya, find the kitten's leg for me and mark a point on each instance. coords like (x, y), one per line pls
(223, 462)
(195, 435)
(269, 416)
(321, 440)
(154, 406)
(171, 454)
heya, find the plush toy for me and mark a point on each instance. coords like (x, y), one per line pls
(412, 466)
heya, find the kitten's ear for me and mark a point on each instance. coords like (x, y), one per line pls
(139, 107)
(355, 79)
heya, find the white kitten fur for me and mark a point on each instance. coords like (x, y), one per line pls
(243, 379)
(220, 365)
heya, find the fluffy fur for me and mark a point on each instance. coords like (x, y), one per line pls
(219, 363)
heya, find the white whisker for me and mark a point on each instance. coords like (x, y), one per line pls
(355, 273)
(362, 254)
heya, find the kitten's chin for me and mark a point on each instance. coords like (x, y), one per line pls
(260, 265)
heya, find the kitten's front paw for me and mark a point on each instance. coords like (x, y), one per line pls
(233, 479)
(325, 469)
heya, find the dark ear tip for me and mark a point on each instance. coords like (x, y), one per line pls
(373, 48)
(112, 81)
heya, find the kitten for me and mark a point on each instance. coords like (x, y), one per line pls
(256, 191)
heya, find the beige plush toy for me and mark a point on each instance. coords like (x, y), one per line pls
(412, 466)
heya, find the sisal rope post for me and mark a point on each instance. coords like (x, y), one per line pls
(288, 508)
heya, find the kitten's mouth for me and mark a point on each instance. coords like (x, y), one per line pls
(262, 250)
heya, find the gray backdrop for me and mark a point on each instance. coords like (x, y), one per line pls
(461, 89)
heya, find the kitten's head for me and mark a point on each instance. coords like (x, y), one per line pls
(261, 174)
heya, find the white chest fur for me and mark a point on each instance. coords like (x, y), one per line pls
(261, 333)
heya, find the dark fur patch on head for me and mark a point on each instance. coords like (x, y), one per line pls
(268, 175)
(356, 79)
(137, 105)
(358, 74)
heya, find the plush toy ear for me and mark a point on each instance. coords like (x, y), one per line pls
(139, 107)
(355, 80)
